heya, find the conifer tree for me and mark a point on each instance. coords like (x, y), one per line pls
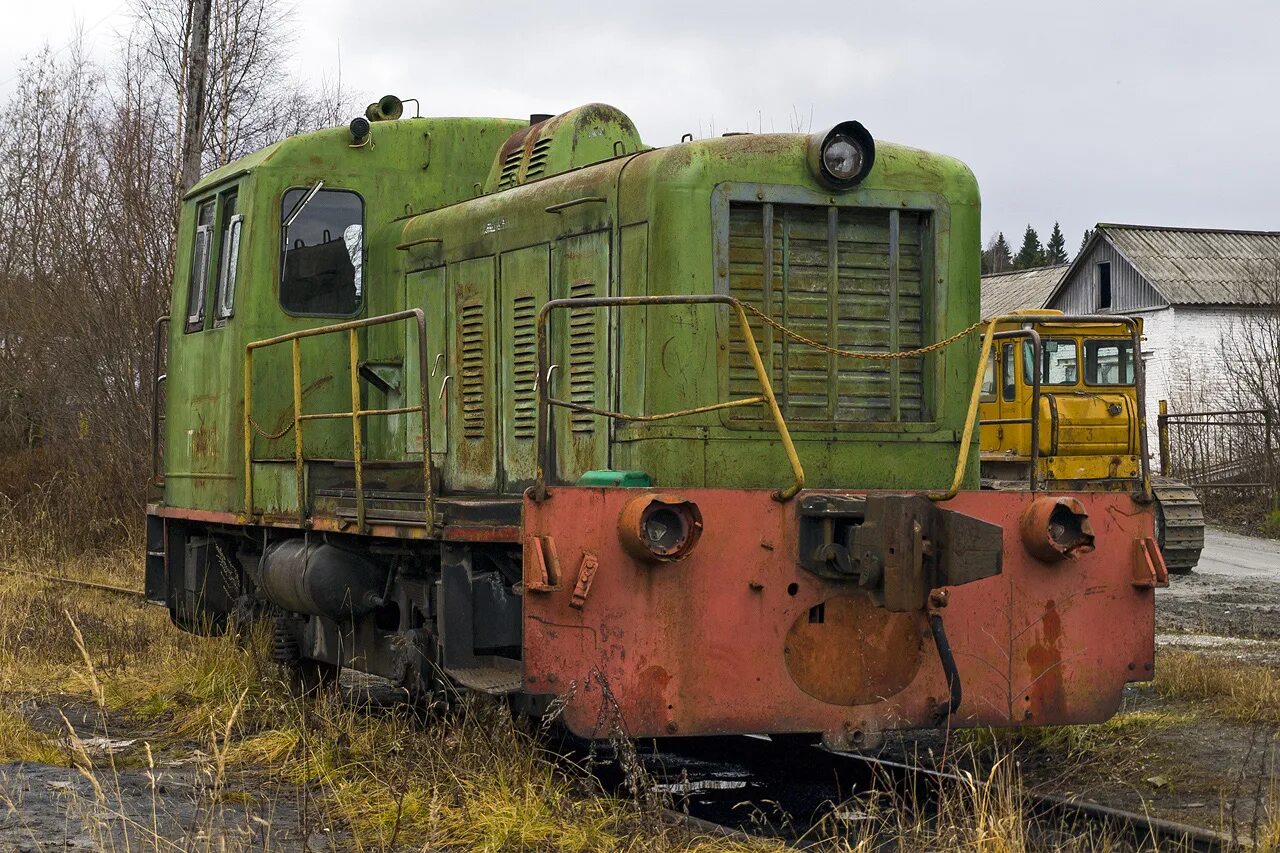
(1032, 253)
(1088, 235)
(1055, 251)
(996, 257)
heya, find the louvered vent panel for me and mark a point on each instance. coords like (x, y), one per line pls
(524, 366)
(473, 384)
(582, 356)
(790, 277)
(511, 169)
(538, 159)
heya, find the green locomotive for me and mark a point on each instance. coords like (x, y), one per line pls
(536, 409)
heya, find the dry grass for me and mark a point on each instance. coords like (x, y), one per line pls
(1241, 691)
(380, 779)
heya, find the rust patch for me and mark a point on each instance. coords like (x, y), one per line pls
(1045, 696)
(847, 651)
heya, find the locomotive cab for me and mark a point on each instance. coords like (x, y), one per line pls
(680, 436)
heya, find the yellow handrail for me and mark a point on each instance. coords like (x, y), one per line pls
(767, 396)
(356, 413)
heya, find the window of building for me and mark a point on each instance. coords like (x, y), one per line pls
(1059, 361)
(228, 260)
(1108, 362)
(989, 379)
(1104, 285)
(1008, 375)
(322, 251)
(198, 283)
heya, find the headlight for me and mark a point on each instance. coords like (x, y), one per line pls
(843, 156)
(661, 528)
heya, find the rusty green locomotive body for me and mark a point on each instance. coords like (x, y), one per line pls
(417, 382)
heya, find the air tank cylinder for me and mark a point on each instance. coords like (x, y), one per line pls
(320, 580)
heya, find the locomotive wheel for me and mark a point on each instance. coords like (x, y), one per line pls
(1179, 525)
(309, 677)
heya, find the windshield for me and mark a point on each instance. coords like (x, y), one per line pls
(1059, 363)
(322, 250)
(1108, 362)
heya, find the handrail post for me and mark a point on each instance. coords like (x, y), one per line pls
(778, 421)
(157, 460)
(248, 431)
(966, 438)
(428, 488)
(298, 468)
(353, 358)
(1162, 435)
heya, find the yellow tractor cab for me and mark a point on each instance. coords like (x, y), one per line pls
(1061, 408)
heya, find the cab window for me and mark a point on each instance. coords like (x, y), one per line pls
(322, 251)
(989, 379)
(228, 260)
(198, 283)
(1108, 362)
(1008, 376)
(1059, 361)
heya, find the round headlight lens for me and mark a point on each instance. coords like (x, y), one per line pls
(842, 158)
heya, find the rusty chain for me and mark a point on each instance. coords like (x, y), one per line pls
(870, 356)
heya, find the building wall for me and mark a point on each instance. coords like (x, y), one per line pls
(1183, 360)
(1130, 292)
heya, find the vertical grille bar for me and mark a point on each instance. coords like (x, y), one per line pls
(895, 365)
(833, 309)
(766, 285)
(786, 311)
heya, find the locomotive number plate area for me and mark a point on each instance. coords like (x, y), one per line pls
(738, 636)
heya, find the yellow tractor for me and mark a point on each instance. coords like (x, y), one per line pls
(1061, 408)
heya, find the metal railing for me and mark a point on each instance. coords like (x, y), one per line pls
(1220, 450)
(546, 401)
(356, 413)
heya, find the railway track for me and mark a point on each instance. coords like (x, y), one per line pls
(750, 786)
(65, 581)
(758, 787)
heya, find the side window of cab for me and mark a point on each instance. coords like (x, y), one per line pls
(198, 280)
(321, 252)
(208, 254)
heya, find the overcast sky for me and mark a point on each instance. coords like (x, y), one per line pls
(1149, 111)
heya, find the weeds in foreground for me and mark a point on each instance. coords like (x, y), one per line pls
(1244, 692)
(266, 771)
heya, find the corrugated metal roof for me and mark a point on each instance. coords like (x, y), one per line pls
(1202, 266)
(1017, 290)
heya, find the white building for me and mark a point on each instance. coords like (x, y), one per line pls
(1190, 286)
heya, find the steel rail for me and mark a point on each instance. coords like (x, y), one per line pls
(917, 786)
(103, 587)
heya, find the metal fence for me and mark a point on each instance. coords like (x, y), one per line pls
(1224, 455)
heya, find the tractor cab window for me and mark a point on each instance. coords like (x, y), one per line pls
(989, 379)
(322, 251)
(1108, 362)
(1008, 375)
(1059, 361)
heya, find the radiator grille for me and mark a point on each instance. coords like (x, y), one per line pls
(582, 356)
(473, 382)
(511, 169)
(524, 366)
(827, 272)
(537, 159)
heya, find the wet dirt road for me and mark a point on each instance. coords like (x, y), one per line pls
(1233, 592)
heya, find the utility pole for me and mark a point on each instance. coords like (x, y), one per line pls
(196, 72)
